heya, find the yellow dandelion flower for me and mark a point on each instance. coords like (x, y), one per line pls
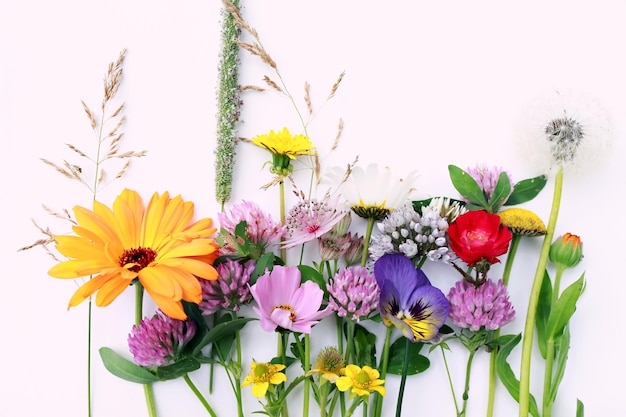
(284, 147)
(262, 375)
(158, 245)
(522, 222)
(361, 380)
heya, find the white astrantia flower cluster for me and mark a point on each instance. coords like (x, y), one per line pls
(411, 233)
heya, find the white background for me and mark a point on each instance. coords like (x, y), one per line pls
(426, 85)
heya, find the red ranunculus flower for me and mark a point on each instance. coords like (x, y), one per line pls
(478, 236)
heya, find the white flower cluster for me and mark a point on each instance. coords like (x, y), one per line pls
(416, 234)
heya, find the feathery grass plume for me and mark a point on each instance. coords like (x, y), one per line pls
(107, 128)
(256, 48)
(229, 104)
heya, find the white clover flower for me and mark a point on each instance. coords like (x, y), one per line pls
(565, 128)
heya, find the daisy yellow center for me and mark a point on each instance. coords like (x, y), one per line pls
(139, 258)
(286, 307)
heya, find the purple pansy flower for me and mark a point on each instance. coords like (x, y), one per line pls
(407, 299)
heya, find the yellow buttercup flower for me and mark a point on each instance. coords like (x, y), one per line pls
(522, 222)
(284, 147)
(159, 246)
(361, 380)
(262, 375)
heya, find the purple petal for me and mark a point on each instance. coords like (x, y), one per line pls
(395, 274)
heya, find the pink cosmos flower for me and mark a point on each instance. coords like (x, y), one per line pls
(284, 302)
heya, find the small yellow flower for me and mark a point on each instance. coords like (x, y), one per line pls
(284, 147)
(361, 380)
(329, 364)
(522, 222)
(262, 375)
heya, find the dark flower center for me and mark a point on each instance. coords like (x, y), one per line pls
(138, 257)
(565, 134)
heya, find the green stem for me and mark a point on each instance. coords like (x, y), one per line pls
(238, 376)
(547, 380)
(492, 378)
(89, 325)
(492, 359)
(283, 340)
(281, 186)
(384, 362)
(405, 369)
(445, 363)
(306, 363)
(333, 402)
(203, 400)
(529, 327)
(549, 366)
(350, 350)
(339, 321)
(466, 389)
(147, 388)
(357, 401)
(366, 241)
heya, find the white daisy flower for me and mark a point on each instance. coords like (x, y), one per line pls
(371, 191)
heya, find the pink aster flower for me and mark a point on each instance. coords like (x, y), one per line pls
(485, 306)
(284, 302)
(230, 290)
(261, 229)
(353, 292)
(160, 340)
(310, 219)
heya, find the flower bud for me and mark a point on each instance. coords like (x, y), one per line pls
(566, 251)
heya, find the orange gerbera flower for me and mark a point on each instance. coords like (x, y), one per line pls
(158, 245)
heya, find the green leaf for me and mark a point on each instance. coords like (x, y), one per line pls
(467, 186)
(125, 369)
(277, 360)
(500, 193)
(365, 346)
(508, 378)
(223, 346)
(221, 330)
(418, 205)
(543, 312)
(265, 263)
(564, 307)
(309, 273)
(417, 363)
(562, 348)
(178, 369)
(526, 190)
(580, 409)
